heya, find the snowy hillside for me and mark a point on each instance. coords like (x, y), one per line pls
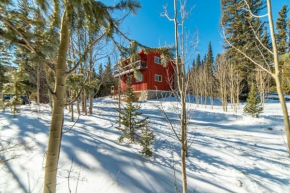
(229, 152)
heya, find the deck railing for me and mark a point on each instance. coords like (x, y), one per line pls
(139, 65)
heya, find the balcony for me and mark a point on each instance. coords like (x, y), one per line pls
(139, 65)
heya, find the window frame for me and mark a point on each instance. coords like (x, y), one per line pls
(157, 75)
(158, 59)
(138, 81)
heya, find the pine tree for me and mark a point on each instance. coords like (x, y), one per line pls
(198, 62)
(129, 117)
(108, 71)
(239, 29)
(193, 64)
(282, 31)
(146, 141)
(209, 59)
(253, 106)
(288, 26)
(285, 61)
(108, 79)
(17, 86)
(204, 61)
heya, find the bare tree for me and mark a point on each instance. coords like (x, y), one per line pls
(221, 75)
(263, 80)
(182, 54)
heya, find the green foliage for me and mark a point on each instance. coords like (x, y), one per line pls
(253, 106)
(107, 79)
(281, 24)
(239, 29)
(209, 59)
(198, 60)
(131, 120)
(285, 69)
(74, 84)
(17, 86)
(3, 78)
(146, 141)
(288, 26)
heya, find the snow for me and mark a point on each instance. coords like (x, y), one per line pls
(229, 152)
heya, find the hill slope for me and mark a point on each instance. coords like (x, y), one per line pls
(228, 152)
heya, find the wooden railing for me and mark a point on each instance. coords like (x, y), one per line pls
(139, 65)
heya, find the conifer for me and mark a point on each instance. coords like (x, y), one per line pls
(253, 106)
(130, 117)
(17, 86)
(209, 59)
(198, 62)
(146, 141)
(282, 31)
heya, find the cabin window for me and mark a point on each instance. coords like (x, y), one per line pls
(158, 78)
(157, 60)
(140, 78)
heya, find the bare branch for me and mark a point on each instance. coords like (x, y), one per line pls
(256, 35)
(168, 120)
(88, 48)
(165, 14)
(251, 13)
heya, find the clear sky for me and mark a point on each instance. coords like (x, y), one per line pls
(149, 28)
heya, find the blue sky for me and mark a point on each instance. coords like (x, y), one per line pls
(149, 28)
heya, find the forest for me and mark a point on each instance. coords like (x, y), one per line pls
(67, 124)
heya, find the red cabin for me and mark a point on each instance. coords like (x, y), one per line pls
(155, 80)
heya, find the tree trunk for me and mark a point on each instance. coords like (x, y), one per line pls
(55, 133)
(72, 112)
(90, 79)
(38, 84)
(181, 88)
(277, 76)
(78, 106)
(91, 105)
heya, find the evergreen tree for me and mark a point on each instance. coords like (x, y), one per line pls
(253, 106)
(108, 71)
(281, 37)
(198, 62)
(193, 64)
(101, 73)
(239, 29)
(129, 117)
(146, 141)
(285, 61)
(288, 26)
(108, 79)
(17, 86)
(204, 61)
(266, 41)
(209, 58)
(5, 61)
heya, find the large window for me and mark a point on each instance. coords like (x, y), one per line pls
(157, 60)
(158, 78)
(140, 78)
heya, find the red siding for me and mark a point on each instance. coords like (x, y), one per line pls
(167, 74)
(148, 82)
(137, 86)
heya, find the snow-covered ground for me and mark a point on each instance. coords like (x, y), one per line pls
(229, 152)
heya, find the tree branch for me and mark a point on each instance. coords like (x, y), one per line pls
(245, 55)
(88, 48)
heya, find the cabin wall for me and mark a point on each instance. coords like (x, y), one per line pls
(137, 86)
(148, 82)
(167, 74)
